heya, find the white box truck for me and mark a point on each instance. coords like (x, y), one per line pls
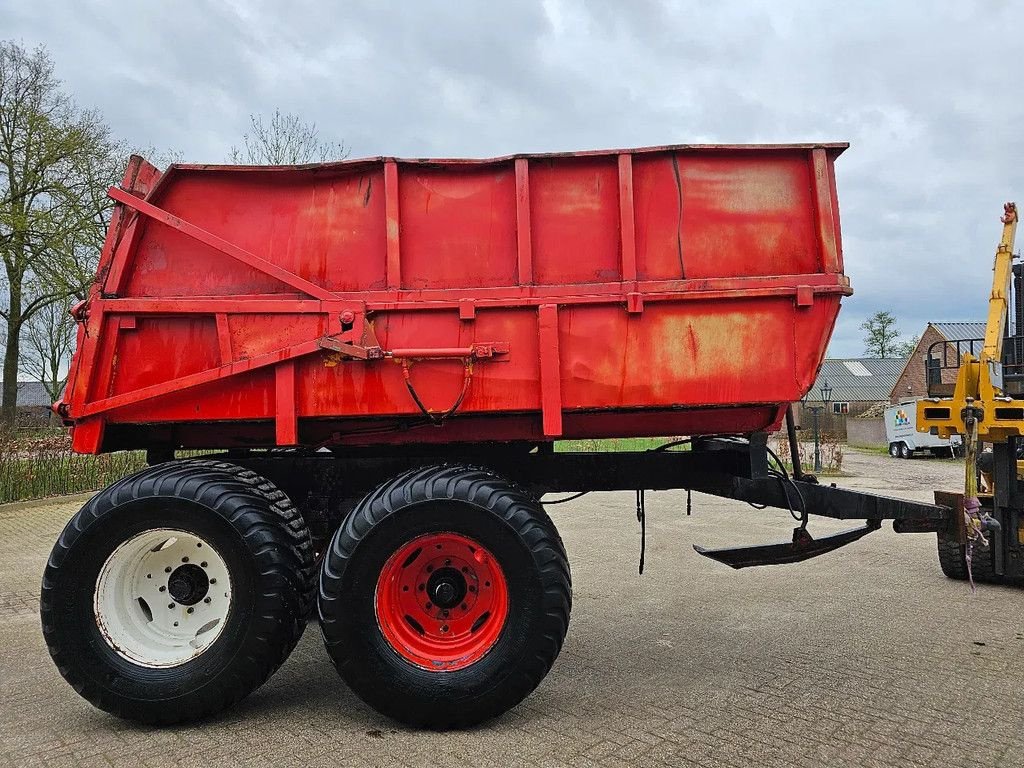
(905, 440)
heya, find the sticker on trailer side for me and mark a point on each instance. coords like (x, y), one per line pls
(901, 427)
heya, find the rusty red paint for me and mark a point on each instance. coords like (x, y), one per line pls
(286, 419)
(627, 225)
(550, 370)
(669, 290)
(524, 233)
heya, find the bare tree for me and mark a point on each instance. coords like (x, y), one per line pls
(285, 140)
(56, 161)
(48, 338)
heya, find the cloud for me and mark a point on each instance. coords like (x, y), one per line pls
(924, 98)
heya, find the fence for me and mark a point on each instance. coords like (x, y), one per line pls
(43, 465)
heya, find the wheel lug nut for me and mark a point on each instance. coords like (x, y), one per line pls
(203, 564)
(175, 623)
(207, 600)
(190, 610)
(170, 606)
(167, 569)
(184, 559)
(472, 588)
(149, 575)
(213, 581)
(420, 587)
(447, 562)
(163, 589)
(445, 613)
(444, 628)
(465, 569)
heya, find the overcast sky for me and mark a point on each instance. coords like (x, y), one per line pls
(928, 95)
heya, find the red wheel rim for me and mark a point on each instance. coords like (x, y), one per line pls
(441, 601)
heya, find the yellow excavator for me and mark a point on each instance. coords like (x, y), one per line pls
(985, 540)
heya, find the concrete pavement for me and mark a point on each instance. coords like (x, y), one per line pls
(865, 657)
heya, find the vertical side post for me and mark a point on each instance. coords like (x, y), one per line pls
(109, 337)
(224, 338)
(139, 179)
(828, 243)
(286, 422)
(87, 434)
(119, 248)
(524, 234)
(550, 371)
(394, 261)
(627, 221)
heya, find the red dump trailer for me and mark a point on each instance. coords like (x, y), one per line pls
(380, 355)
(678, 290)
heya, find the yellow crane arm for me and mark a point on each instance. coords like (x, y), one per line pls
(978, 408)
(999, 301)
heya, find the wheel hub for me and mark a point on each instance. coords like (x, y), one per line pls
(447, 586)
(188, 584)
(162, 597)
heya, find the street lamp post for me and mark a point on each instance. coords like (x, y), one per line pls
(826, 398)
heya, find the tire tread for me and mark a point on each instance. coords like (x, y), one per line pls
(509, 504)
(285, 563)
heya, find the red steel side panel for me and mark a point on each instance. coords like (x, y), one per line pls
(661, 291)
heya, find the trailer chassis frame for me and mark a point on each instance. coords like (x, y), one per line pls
(327, 485)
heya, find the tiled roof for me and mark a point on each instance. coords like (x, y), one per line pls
(959, 331)
(861, 379)
(32, 394)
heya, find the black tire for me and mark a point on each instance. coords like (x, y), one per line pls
(522, 539)
(905, 452)
(266, 548)
(952, 560)
(894, 450)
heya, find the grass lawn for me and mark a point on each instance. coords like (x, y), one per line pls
(614, 444)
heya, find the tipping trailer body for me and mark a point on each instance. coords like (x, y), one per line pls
(644, 292)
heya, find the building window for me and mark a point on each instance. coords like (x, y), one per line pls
(842, 408)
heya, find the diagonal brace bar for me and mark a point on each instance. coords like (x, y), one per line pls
(195, 379)
(212, 240)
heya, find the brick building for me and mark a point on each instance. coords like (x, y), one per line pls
(913, 380)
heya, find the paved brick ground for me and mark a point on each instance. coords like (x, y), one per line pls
(867, 657)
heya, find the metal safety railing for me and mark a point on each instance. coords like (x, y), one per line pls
(943, 360)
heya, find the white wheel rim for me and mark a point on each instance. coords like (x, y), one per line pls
(162, 598)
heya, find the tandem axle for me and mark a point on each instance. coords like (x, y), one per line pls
(735, 468)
